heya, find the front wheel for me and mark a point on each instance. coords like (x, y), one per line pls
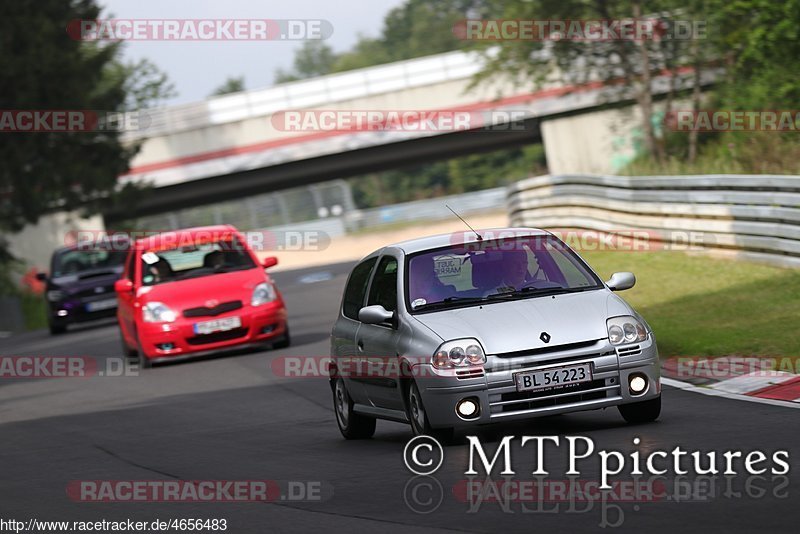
(419, 418)
(284, 342)
(56, 329)
(641, 412)
(351, 424)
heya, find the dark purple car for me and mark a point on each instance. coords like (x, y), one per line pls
(81, 285)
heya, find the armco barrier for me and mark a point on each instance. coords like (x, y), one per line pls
(755, 217)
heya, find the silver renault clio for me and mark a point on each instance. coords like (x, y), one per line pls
(483, 327)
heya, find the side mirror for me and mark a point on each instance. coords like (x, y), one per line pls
(42, 277)
(621, 281)
(123, 285)
(269, 261)
(375, 314)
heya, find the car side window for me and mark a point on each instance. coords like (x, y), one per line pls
(384, 285)
(357, 288)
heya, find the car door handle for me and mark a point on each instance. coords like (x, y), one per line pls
(360, 345)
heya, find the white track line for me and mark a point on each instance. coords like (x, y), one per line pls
(735, 396)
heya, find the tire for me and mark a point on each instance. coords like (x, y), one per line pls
(641, 412)
(56, 329)
(419, 418)
(284, 342)
(143, 361)
(351, 424)
(129, 353)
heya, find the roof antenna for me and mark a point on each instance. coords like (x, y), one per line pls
(480, 238)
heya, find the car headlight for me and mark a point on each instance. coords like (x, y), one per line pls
(625, 329)
(54, 295)
(263, 293)
(458, 353)
(156, 312)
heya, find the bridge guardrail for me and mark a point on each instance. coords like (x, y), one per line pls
(754, 217)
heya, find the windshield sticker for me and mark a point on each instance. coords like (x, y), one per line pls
(150, 258)
(418, 302)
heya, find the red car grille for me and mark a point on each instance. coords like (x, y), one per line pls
(216, 337)
(204, 311)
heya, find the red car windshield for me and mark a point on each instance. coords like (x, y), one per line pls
(518, 267)
(194, 261)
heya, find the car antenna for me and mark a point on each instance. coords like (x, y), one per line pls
(480, 238)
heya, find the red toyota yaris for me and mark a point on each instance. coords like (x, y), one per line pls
(196, 291)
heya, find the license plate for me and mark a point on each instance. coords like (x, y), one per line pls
(101, 305)
(556, 377)
(217, 325)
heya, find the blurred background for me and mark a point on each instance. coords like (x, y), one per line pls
(573, 133)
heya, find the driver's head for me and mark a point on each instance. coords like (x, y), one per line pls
(421, 276)
(214, 259)
(515, 267)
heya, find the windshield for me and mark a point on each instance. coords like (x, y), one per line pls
(194, 261)
(500, 269)
(71, 262)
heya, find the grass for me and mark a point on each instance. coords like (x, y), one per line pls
(34, 310)
(701, 306)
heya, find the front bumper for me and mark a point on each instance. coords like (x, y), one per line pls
(499, 399)
(79, 310)
(167, 341)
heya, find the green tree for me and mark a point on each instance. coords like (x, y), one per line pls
(314, 58)
(230, 85)
(44, 69)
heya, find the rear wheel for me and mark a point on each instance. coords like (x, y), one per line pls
(641, 412)
(351, 424)
(418, 417)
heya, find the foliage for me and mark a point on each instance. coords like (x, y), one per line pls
(230, 85)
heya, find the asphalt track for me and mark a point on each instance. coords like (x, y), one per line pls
(233, 418)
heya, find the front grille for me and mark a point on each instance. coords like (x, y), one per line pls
(515, 401)
(469, 373)
(92, 292)
(633, 350)
(546, 350)
(204, 311)
(216, 337)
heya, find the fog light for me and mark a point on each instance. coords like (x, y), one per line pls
(165, 346)
(62, 313)
(268, 329)
(637, 384)
(468, 408)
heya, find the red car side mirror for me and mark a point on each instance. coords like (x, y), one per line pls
(123, 285)
(269, 261)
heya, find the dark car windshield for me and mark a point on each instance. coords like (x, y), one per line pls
(470, 274)
(194, 261)
(77, 261)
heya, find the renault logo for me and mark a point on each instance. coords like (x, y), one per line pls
(544, 336)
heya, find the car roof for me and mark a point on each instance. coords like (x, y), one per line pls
(184, 235)
(422, 244)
